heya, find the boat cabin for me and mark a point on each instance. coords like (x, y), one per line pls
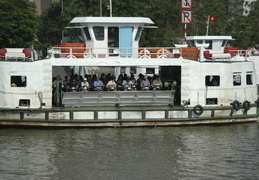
(215, 46)
(115, 36)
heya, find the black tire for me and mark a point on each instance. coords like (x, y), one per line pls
(236, 105)
(198, 109)
(246, 105)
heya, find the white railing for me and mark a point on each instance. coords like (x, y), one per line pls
(143, 53)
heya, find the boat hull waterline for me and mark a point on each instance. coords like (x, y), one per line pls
(125, 116)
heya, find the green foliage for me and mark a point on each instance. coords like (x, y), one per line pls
(50, 29)
(165, 14)
(246, 29)
(18, 23)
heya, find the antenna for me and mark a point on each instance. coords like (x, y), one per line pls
(110, 8)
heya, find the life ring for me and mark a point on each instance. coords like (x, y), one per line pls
(198, 109)
(160, 55)
(89, 54)
(144, 54)
(246, 105)
(236, 105)
(71, 56)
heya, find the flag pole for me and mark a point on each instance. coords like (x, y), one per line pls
(208, 23)
(185, 27)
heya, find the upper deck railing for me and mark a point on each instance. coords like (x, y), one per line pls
(149, 53)
(141, 53)
(126, 53)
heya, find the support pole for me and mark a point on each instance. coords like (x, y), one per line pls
(110, 8)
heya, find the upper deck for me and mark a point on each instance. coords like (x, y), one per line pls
(114, 41)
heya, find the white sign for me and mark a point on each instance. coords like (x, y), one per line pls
(186, 4)
(186, 17)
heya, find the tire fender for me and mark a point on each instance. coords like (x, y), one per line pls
(236, 105)
(198, 109)
(246, 105)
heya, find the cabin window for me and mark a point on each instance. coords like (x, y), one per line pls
(18, 81)
(138, 34)
(211, 101)
(123, 70)
(24, 102)
(113, 36)
(150, 70)
(99, 33)
(210, 45)
(236, 80)
(249, 79)
(191, 43)
(212, 80)
(224, 43)
(87, 34)
(133, 70)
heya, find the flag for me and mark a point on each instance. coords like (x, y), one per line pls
(212, 18)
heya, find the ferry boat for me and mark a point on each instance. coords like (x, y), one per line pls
(204, 83)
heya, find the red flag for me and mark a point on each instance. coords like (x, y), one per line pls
(212, 18)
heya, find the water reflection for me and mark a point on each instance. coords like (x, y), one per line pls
(190, 152)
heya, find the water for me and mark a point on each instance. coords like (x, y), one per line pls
(185, 152)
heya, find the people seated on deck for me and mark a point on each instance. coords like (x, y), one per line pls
(157, 83)
(119, 83)
(84, 85)
(111, 85)
(128, 85)
(65, 83)
(98, 84)
(132, 79)
(73, 85)
(145, 85)
(139, 80)
(80, 80)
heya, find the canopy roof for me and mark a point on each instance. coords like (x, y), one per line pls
(112, 20)
(209, 38)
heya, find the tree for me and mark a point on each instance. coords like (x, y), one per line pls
(246, 29)
(51, 27)
(165, 14)
(18, 23)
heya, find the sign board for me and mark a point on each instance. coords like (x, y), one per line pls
(186, 17)
(186, 4)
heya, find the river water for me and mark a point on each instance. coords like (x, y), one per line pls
(184, 152)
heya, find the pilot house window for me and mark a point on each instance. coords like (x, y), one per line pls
(87, 34)
(99, 33)
(18, 81)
